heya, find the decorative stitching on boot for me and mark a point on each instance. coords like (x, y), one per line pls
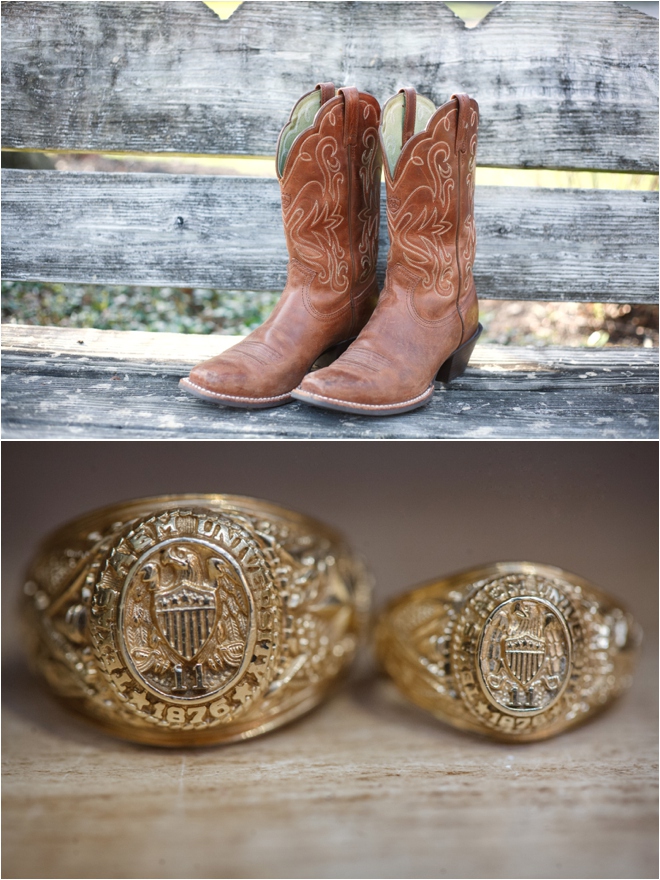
(314, 230)
(363, 357)
(423, 234)
(369, 216)
(410, 297)
(261, 353)
(310, 275)
(413, 281)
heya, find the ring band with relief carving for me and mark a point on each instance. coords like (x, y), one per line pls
(516, 650)
(195, 619)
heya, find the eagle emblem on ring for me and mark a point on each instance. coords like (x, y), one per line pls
(524, 655)
(524, 649)
(187, 619)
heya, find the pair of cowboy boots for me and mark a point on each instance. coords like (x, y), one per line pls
(331, 341)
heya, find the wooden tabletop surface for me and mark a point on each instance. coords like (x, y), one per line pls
(365, 786)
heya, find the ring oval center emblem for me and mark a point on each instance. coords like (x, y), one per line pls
(186, 624)
(524, 655)
(185, 620)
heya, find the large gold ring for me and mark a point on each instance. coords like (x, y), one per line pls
(194, 619)
(517, 651)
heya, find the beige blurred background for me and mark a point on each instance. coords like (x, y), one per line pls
(416, 510)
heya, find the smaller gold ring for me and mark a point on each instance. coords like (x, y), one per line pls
(194, 619)
(516, 650)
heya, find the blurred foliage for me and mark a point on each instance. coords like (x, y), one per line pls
(568, 323)
(199, 310)
(174, 309)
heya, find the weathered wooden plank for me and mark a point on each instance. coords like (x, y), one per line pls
(186, 349)
(507, 393)
(226, 232)
(130, 345)
(366, 786)
(494, 367)
(560, 85)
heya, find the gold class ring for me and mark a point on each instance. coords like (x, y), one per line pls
(193, 619)
(515, 650)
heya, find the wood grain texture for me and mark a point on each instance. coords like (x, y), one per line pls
(132, 345)
(560, 85)
(506, 393)
(226, 232)
(366, 786)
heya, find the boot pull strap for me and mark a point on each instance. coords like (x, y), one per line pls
(351, 108)
(462, 125)
(327, 91)
(409, 114)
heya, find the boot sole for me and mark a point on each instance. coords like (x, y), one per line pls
(365, 409)
(229, 400)
(452, 368)
(323, 360)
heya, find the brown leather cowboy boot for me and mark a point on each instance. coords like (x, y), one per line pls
(426, 322)
(328, 164)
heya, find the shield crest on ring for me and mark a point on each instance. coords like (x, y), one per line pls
(524, 658)
(186, 617)
(185, 608)
(524, 644)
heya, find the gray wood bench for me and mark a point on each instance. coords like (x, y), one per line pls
(560, 85)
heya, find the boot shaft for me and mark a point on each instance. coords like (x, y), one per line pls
(329, 165)
(430, 159)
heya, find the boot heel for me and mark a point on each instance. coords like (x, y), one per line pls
(331, 354)
(456, 364)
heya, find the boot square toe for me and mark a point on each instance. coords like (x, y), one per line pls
(225, 384)
(359, 396)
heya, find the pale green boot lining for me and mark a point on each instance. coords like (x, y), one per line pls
(392, 126)
(302, 117)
